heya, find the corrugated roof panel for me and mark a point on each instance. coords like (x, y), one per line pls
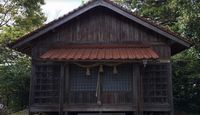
(78, 54)
(116, 54)
(92, 52)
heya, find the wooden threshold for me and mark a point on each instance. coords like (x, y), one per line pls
(97, 108)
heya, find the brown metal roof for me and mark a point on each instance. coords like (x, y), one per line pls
(100, 52)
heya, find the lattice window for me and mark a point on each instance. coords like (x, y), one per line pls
(117, 88)
(155, 83)
(46, 84)
(82, 87)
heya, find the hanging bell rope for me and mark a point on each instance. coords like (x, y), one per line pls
(101, 68)
(114, 65)
(88, 71)
(98, 85)
(100, 65)
(86, 66)
(98, 89)
(115, 70)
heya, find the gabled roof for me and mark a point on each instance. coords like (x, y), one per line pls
(104, 3)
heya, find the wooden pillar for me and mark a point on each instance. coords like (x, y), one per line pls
(61, 92)
(170, 89)
(138, 70)
(135, 87)
(66, 84)
(31, 86)
(140, 89)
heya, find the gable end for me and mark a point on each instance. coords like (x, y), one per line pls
(107, 4)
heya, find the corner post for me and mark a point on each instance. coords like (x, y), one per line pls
(31, 87)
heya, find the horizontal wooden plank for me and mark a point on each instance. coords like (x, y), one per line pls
(157, 107)
(44, 108)
(93, 108)
(97, 108)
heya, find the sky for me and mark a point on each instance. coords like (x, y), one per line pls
(56, 8)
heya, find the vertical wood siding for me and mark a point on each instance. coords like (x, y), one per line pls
(103, 26)
(99, 26)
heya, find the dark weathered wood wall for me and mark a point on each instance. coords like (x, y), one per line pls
(103, 26)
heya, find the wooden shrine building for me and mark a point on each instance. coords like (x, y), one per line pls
(101, 58)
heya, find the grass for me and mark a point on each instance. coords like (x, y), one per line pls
(23, 112)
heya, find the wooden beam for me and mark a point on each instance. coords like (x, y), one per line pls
(97, 108)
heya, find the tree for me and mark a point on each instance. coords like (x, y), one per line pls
(181, 16)
(17, 17)
(16, 11)
(186, 84)
(176, 15)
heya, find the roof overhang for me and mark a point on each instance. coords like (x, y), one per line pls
(101, 52)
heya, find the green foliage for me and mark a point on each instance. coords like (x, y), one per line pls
(24, 112)
(181, 16)
(21, 12)
(186, 82)
(14, 83)
(17, 17)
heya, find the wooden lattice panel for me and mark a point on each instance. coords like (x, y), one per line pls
(155, 83)
(82, 87)
(117, 88)
(46, 84)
